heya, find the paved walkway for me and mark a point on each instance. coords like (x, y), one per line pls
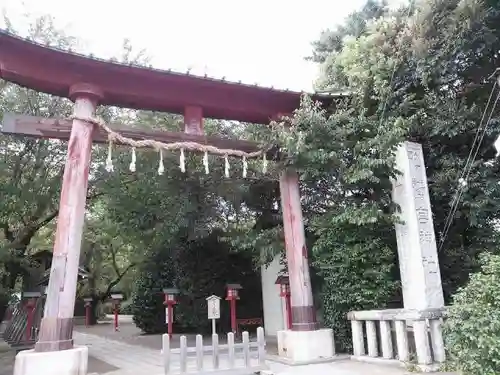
(111, 353)
(138, 360)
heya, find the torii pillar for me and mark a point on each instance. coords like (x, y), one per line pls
(305, 342)
(54, 351)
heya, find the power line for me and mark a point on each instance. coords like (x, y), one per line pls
(462, 182)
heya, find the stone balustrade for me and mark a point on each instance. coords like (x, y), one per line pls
(399, 335)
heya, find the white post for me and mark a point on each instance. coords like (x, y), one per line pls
(230, 349)
(418, 259)
(215, 351)
(214, 327)
(358, 342)
(166, 352)
(199, 352)
(246, 349)
(183, 354)
(261, 345)
(371, 335)
(437, 340)
(402, 340)
(386, 339)
(422, 342)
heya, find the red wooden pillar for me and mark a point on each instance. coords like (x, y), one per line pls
(56, 331)
(30, 305)
(232, 296)
(88, 310)
(193, 120)
(303, 312)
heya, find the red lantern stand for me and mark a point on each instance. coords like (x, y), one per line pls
(232, 296)
(29, 304)
(88, 311)
(170, 301)
(284, 283)
(116, 299)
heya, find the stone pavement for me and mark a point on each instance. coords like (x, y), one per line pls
(121, 356)
(138, 360)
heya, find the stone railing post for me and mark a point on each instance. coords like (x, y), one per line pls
(402, 340)
(371, 335)
(358, 341)
(429, 352)
(386, 339)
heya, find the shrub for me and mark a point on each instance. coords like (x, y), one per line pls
(147, 301)
(472, 331)
(5, 297)
(357, 274)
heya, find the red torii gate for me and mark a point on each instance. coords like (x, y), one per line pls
(89, 83)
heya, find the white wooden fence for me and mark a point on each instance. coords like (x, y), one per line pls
(231, 359)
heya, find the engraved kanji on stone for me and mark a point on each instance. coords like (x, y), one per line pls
(415, 182)
(429, 261)
(419, 193)
(425, 236)
(422, 215)
(413, 154)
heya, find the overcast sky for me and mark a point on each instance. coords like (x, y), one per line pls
(259, 41)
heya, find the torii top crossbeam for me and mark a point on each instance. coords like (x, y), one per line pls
(54, 71)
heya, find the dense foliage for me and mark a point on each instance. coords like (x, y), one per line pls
(416, 73)
(472, 330)
(147, 304)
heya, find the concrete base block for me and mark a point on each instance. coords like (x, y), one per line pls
(306, 346)
(66, 362)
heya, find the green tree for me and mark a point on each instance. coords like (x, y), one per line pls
(472, 330)
(428, 69)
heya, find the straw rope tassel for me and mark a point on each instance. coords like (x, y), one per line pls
(132, 163)
(161, 168)
(205, 162)
(182, 162)
(245, 166)
(226, 167)
(109, 160)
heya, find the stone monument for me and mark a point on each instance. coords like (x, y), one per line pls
(417, 250)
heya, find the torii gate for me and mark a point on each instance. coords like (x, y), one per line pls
(89, 83)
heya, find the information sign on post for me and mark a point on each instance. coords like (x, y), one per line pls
(213, 304)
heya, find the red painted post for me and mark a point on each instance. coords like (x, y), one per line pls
(170, 308)
(88, 310)
(288, 307)
(232, 296)
(193, 120)
(30, 311)
(56, 331)
(284, 284)
(116, 317)
(169, 295)
(302, 307)
(234, 328)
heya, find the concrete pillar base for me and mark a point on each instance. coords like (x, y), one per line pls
(306, 346)
(65, 362)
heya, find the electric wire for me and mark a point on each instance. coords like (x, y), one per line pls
(469, 164)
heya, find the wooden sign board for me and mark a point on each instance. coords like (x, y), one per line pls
(213, 304)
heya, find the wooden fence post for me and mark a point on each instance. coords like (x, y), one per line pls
(166, 352)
